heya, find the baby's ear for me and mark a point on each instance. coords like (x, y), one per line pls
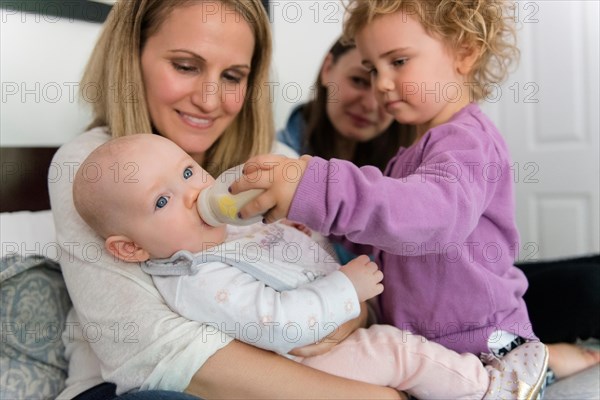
(466, 56)
(125, 249)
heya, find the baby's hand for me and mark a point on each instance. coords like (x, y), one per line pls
(365, 276)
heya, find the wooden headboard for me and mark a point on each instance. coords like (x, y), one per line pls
(24, 174)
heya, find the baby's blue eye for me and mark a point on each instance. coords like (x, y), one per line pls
(161, 202)
(187, 173)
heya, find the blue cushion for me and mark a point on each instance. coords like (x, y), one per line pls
(33, 307)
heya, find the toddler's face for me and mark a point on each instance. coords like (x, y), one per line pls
(160, 197)
(414, 74)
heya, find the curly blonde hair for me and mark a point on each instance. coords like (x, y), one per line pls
(487, 25)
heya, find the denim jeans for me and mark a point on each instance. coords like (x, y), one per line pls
(106, 391)
(156, 395)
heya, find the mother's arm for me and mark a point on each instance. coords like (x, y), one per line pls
(239, 370)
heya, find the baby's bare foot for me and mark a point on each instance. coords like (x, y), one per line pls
(567, 359)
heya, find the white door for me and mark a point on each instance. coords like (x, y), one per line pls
(548, 111)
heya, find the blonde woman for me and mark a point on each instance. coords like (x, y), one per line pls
(191, 71)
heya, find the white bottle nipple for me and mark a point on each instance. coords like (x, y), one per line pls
(217, 206)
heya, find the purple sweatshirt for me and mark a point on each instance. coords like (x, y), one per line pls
(441, 221)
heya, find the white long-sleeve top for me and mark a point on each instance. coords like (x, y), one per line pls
(274, 288)
(121, 329)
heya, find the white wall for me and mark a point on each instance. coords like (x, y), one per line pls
(42, 58)
(41, 61)
(303, 32)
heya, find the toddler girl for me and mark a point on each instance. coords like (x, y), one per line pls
(441, 219)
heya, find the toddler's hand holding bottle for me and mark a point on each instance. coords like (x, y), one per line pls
(279, 177)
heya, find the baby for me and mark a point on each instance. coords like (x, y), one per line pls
(269, 286)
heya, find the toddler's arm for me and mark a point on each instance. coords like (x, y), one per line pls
(438, 198)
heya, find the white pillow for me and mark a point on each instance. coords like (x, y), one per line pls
(28, 233)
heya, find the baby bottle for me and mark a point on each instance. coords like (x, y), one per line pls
(217, 206)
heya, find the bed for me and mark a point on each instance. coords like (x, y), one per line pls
(35, 300)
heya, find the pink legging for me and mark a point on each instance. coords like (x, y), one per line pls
(386, 356)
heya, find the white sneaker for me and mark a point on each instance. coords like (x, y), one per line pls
(520, 374)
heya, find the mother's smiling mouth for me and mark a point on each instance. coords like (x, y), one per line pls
(196, 121)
